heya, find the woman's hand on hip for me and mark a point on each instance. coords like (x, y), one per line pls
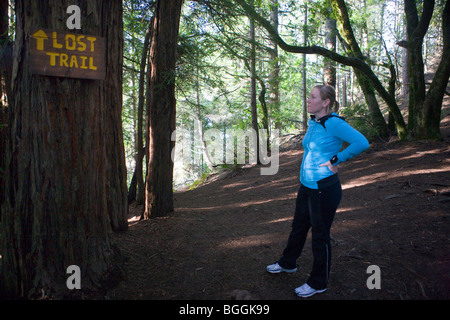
(328, 164)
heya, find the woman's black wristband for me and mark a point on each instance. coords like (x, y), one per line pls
(334, 159)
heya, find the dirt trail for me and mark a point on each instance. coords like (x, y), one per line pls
(395, 214)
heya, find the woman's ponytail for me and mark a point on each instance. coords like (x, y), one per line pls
(335, 107)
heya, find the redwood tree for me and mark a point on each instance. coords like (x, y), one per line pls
(5, 90)
(65, 187)
(161, 108)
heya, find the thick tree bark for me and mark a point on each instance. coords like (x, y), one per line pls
(5, 91)
(111, 97)
(65, 165)
(433, 102)
(161, 108)
(415, 59)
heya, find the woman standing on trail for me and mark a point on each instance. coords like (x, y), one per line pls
(320, 190)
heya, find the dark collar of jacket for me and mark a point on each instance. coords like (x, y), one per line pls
(325, 118)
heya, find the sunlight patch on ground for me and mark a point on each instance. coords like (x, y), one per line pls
(135, 218)
(278, 220)
(250, 241)
(368, 179)
(348, 209)
(239, 204)
(234, 185)
(420, 154)
(282, 183)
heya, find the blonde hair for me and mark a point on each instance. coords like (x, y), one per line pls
(328, 92)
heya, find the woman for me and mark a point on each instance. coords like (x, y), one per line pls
(320, 190)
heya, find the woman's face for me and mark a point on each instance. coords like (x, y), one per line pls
(315, 103)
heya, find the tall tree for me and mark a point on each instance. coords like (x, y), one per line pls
(140, 194)
(5, 90)
(304, 94)
(253, 106)
(329, 69)
(425, 107)
(161, 108)
(274, 74)
(116, 174)
(60, 178)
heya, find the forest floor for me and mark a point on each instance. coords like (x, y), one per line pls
(395, 213)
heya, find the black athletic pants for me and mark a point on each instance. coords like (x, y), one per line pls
(315, 209)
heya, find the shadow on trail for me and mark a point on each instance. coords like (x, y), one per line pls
(223, 234)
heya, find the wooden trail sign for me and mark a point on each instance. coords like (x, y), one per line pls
(71, 55)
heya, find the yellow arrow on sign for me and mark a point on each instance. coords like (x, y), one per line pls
(40, 36)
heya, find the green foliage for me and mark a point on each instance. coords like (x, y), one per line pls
(213, 74)
(358, 116)
(199, 181)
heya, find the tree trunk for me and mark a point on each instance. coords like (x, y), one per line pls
(354, 50)
(5, 91)
(265, 112)
(140, 186)
(405, 71)
(253, 105)
(116, 175)
(61, 182)
(433, 100)
(304, 94)
(432, 106)
(415, 66)
(344, 90)
(425, 107)
(274, 75)
(161, 108)
(372, 104)
(199, 124)
(329, 69)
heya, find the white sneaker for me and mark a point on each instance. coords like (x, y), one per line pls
(305, 291)
(276, 268)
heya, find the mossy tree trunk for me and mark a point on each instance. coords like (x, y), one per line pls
(425, 106)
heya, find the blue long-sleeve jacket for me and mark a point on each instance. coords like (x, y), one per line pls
(323, 140)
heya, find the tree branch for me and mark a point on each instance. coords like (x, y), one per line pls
(349, 61)
(427, 13)
(357, 63)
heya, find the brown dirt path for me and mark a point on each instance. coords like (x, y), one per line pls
(395, 213)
